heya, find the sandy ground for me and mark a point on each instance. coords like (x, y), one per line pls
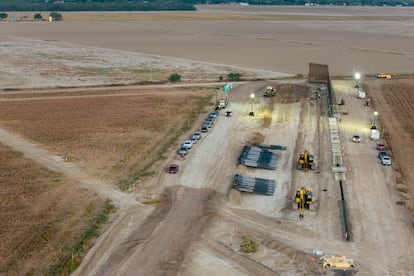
(197, 227)
(369, 46)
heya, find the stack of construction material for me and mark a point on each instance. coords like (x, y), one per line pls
(258, 158)
(253, 185)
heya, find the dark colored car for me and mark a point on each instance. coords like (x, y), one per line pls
(207, 124)
(381, 147)
(173, 168)
(183, 151)
(212, 115)
(216, 112)
(204, 129)
(381, 154)
(211, 119)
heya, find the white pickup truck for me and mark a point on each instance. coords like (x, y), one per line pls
(386, 160)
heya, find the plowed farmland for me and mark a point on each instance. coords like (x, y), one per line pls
(116, 134)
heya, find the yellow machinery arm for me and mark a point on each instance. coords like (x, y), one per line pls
(303, 200)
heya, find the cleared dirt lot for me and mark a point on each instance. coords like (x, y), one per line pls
(197, 225)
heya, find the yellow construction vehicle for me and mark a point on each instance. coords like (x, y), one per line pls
(306, 161)
(337, 262)
(269, 92)
(303, 200)
(383, 76)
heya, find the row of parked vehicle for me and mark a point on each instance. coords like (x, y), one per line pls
(209, 122)
(207, 125)
(383, 156)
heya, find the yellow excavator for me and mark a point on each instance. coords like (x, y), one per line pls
(269, 92)
(306, 161)
(303, 200)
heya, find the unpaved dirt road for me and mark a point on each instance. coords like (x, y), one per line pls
(69, 169)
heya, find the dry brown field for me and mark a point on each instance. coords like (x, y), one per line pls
(115, 135)
(82, 145)
(43, 217)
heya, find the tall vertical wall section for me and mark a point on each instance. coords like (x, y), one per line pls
(320, 73)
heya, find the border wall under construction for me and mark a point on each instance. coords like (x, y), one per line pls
(320, 73)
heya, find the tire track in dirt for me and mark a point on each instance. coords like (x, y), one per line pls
(291, 236)
(247, 263)
(70, 170)
(160, 244)
(279, 239)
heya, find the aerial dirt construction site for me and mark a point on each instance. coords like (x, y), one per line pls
(284, 147)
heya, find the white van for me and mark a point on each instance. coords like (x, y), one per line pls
(362, 94)
(374, 135)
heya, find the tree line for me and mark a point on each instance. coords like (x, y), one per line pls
(95, 5)
(170, 5)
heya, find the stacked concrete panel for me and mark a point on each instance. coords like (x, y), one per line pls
(253, 185)
(338, 166)
(258, 158)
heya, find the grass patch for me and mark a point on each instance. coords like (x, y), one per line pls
(93, 71)
(71, 261)
(151, 201)
(141, 71)
(248, 245)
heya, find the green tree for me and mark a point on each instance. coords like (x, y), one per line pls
(37, 16)
(56, 16)
(174, 77)
(233, 76)
(3, 15)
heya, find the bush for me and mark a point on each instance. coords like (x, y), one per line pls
(233, 76)
(174, 77)
(248, 245)
(37, 16)
(56, 16)
(3, 15)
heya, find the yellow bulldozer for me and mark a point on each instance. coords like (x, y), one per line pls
(303, 200)
(306, 161)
